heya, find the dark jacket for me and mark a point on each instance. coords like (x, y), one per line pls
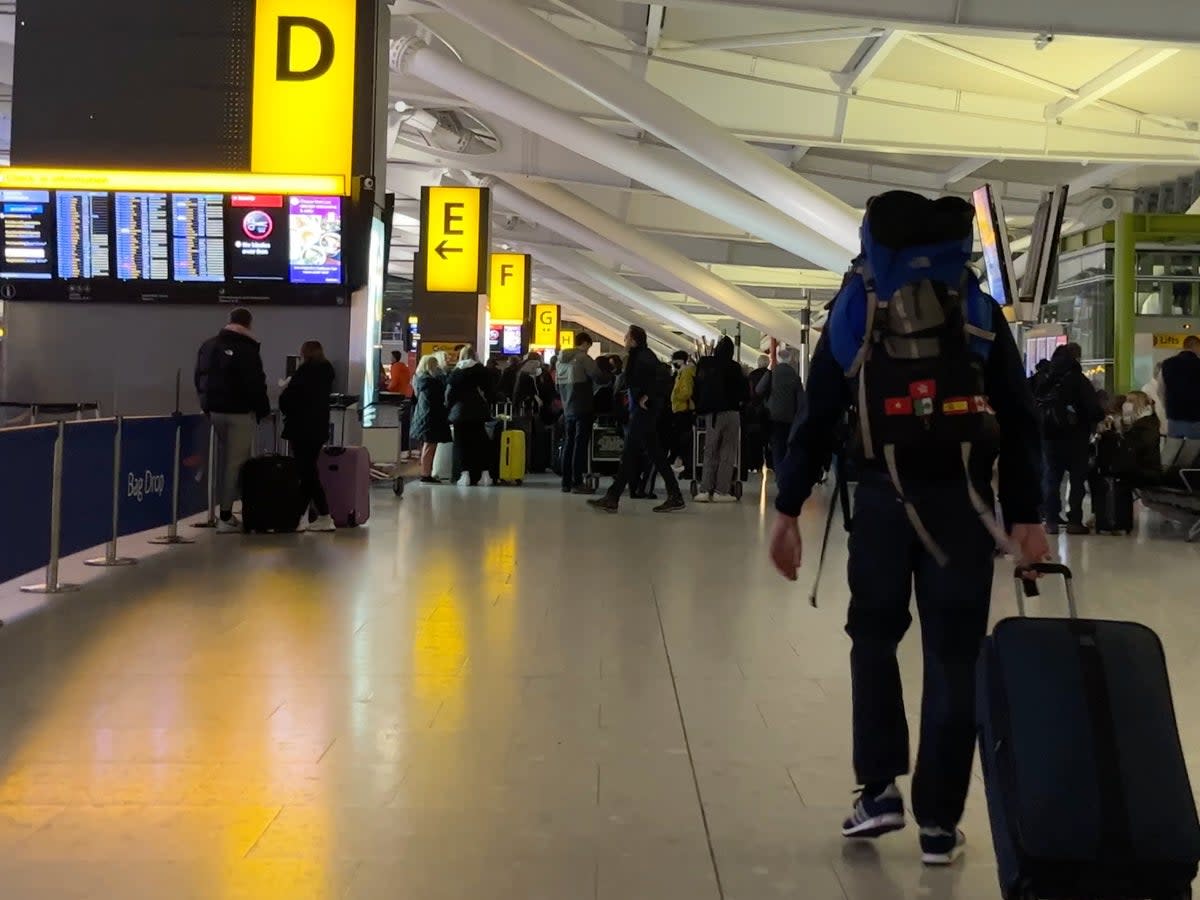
(829, 396)
(640, 378)
(229, 374)
(305, 403)
(1145, 444)
(469, 394)
(577, 377)
(721, 385)
(784, 394)
(1181, 387)
(431, 419)
(1066, 382)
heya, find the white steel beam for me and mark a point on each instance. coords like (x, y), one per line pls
(1110, 80)
(515, 26)
(874, 55)
(656, 15)
(667, 171)
(965, 169)
(1096, 176)
(558, 208)
(1151, 20)
(775, 39)
(602, 302)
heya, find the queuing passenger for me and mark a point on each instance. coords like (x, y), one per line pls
(431, 423)
(495, 371)
(1040, 371)
(1140, 427)
(756, 430)
(1181, 390)
(304, 404)
(1071, 410)
(526, 397)
(578, 377)
(889, 553)
(648, 394)
(783, 392)
(721, 392)
(508, 378)
(683, 413)
(469, 400)
(232, 388)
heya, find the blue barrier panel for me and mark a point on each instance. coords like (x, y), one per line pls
(193, 467)
(26, 474)
(147, 473)
(87, 489)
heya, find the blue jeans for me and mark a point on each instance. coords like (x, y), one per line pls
(1177, 428)
(578, 433)
(887, 562)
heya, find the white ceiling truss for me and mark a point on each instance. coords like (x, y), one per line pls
(854, 99)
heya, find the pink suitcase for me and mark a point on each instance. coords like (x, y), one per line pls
(346, 477)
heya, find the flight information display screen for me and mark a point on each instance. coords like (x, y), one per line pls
(142, 237)
(258, 237)
(84, 234)
(159, 246)
(198, 237)
(28, 220)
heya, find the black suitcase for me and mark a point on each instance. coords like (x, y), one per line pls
(1086, 783)
(272, 495)
(1112, 502)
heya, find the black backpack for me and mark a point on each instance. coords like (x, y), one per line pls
(1056, 411)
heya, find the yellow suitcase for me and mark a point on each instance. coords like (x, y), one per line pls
(512, 455)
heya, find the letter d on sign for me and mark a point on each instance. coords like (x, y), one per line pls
(283, 59)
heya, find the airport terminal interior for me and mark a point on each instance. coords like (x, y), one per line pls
(495, 691)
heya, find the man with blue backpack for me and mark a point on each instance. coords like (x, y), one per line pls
(926, 365)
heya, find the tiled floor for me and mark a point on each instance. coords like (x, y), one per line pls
(485, 694)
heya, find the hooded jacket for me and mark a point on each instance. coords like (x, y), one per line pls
(721, 385)
(577, 376)
(1065, 379)
(431, 423)
(468, 393)
(305, 403)
(229, 374)
(684, 389)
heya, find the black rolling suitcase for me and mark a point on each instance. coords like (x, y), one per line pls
(1112, 502)
(272, 496)
(1087, 788)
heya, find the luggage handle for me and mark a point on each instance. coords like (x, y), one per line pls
(1028, 587)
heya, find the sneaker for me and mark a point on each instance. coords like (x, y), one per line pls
(724, 498)
(465, 480)
(673, 504)
(229, 526)
(486, 481)
(940, 847)
(323, 524)
(605, 504)
(1078, 528)
(874, 817)
(705, 498)
(302, 526)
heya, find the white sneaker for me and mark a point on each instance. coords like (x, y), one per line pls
(724, 498)
(465, 480)
(303, 525)
(323, 524)
(231, 525)
(487, 481)
(705, 498)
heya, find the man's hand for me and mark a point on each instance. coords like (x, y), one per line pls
(644, 402)
(787, 548)
(1033, 544)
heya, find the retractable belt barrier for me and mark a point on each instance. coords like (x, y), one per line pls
(88, 483)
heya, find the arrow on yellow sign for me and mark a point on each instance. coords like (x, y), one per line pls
(454, 240)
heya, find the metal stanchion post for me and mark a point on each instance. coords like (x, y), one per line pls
(52, 585)
(110, 558)
(211, 521)
(172, 535)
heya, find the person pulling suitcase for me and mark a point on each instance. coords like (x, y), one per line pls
(930, 370)
(305, 407)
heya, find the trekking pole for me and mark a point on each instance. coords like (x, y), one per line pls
(833, 505)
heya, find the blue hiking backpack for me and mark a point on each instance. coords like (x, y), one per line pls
(912, 329)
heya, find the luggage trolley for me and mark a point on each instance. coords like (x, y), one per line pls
(604, 449)
(699, 434)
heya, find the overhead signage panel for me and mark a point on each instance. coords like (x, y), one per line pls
(566, 340)
(304, 66)
(509, 288)
(545, 325)
(454, 240)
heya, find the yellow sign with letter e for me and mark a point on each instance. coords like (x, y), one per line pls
(454, 240)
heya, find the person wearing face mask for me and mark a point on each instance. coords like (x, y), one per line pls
(1141, 425)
